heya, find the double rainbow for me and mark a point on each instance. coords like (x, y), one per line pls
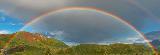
(36, 19)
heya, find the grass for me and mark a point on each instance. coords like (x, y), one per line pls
(40, 45)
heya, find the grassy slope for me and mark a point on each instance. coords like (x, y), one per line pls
(31, 44)
(35, 44)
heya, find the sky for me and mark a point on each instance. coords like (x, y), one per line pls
(9, 24)
(142, 14)
(81, 25)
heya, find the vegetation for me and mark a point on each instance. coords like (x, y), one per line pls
(26, 43)
(114, 49)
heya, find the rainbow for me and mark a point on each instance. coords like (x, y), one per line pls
(36, 19)
(142, 8)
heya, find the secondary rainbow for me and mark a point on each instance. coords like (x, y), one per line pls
(36, 19)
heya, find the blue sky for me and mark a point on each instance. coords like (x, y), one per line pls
(144, 15)
(9, 24)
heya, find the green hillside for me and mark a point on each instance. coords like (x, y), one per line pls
(26, 43)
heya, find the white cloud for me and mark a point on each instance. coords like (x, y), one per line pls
(4, 32)
(133, 38)
(137, 40)
(13, 24)
(57, 33)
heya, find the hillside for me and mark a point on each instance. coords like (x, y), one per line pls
(25, 43)
(29, 43)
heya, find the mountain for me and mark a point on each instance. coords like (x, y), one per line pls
(37, 38)
(156, 43)
(28, 43)
(153, 35)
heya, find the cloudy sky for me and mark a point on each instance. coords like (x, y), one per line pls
(142, 14)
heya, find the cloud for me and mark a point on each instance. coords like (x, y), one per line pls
(133, 39)
(13, 24)
(29, 8)
(40, 3)
(136, 16)
(56, 33)
(136, 39)
(4, 32)
(84, 26)
(129, 12)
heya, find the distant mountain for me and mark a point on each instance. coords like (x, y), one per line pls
(156, 43)
(153, 35)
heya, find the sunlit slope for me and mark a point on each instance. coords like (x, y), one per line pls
(35, 39)
(3, 39)
(29, 43)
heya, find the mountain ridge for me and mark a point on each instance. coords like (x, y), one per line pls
(26, 43)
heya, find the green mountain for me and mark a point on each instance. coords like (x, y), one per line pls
(29, 43)
(25, 43)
